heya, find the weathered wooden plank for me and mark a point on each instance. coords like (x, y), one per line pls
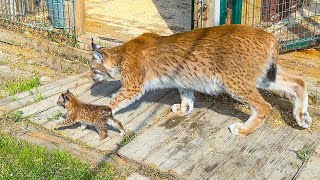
(193, 134)
(217, 151)
(53, 142)
(42, 89)
(166, 127)
(54, 90)
(251, 157)
(213, 138)
(129, 114)
(152, 115)
(287, 163)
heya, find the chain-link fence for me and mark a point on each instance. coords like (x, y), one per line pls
(296, 23)
(53, 18)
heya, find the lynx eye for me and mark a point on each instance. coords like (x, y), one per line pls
(97, 57)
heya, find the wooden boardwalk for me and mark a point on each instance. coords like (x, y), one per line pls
(196, 147)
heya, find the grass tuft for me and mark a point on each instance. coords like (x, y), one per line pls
(305, 153)
(38, 97)
(16, 116)
(56, 115)
(19, 85)
(126, 139)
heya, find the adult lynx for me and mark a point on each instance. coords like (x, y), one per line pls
(235, 59)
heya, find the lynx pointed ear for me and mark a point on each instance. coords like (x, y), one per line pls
(68, 91)
(95, 46)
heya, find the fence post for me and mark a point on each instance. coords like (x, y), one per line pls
(210, 13)
(236, 11)
(79, 16)
(223, 11)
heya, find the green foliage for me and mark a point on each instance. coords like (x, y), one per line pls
(56, 115)
(38, 97)
(22, 160)
(19, 85)
(106, 171)
(305, 153)
(16, 116)
(126, 139)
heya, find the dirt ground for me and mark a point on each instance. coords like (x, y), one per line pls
(19, 62)
(123, 19)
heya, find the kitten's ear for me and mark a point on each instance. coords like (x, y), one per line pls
(68, 91)
(95, 47)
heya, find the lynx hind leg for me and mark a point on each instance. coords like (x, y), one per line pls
(117, 124)
(297, 88)
(259, 108)
(187, 103)
(103, 132)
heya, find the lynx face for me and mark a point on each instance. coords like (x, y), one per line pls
(103, 64)
(64, 99)
(98, 73)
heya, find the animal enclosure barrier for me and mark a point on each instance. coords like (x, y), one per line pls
(296, 23)
(55, 18)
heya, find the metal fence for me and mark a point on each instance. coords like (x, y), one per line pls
(53, 18)
(296, 23)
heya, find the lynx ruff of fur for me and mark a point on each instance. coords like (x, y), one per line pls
(236, 59)
(87, 114)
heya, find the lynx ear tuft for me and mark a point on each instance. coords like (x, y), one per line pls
(95, 47)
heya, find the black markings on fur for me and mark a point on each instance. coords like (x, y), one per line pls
(271, 73)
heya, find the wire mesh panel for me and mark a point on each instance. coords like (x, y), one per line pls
(54, 18)
(296, 23)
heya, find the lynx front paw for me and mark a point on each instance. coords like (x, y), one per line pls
(239, 129)
(176, 108)
(304, 120)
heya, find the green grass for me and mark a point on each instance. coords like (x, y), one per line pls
(38, 97)
(126, 139)
(16, 116)
(21, 160)
(56, 115)
(19, 85)
(107, 172)
(305, 153)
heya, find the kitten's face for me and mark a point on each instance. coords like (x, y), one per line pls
(64, 99)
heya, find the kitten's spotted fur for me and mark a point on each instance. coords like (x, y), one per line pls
(236, 59)
(87, 114)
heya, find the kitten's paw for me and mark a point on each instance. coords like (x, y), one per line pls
(238, 129)
(83, 127)
(122, 133)
(304, 120)
(102, 137)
